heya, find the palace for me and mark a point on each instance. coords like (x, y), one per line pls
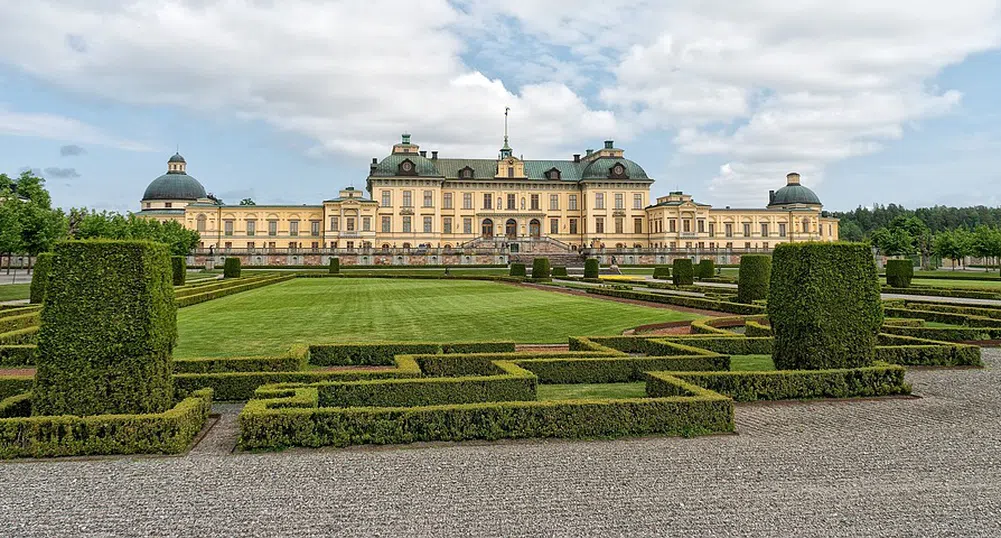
(414, 200)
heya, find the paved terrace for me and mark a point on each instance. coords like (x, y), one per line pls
(892, 467)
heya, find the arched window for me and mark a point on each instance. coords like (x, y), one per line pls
(200, 226)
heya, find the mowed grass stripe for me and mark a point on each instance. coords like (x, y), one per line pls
(268, 320)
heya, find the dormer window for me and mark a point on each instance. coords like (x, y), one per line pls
(553, 173)
(617, 171)
(466, 173)
(407, 168)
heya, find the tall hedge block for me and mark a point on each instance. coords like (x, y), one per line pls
(179, 269)
(40, 277)
(540, 268)
(591, 268)
(335, 266)
(754, 277)
(662, 272)
(705, 269)
(899, 273)
(824, 305)
(231, 268)
(560, 272)
(517, 269)
(684, 272)
(109, 324)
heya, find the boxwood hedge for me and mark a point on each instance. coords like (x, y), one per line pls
(753, 278)
(662, 272)
(40, 277)
(899, 273)
(335, 266)
(591, 268)
(559, 272)
(179, 269)
(705, 269)
(540, 268)
(683, 273)
(231, 268)
(517, 269)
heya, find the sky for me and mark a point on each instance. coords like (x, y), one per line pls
(287, 101)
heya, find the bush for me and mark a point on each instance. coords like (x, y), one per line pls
(11, 385)
(705, 269)
(17, 355)
(616, 369)
(753, 278)
(591, 268)
(382, 354)
(540, 268)
(682, 300)
(560, 272)
(23, 321)
(683, 273)
(40, 277)
(662, 272)
(899, 273)
(918, 352)
(517, 269)
(335, 266)
(108, 327)
(27, 335)
(231, 268)
(824, 305)
(179, 268)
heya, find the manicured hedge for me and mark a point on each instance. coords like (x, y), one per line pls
(616, 369)
(968, 310)
(28, 335)
(12, 385)
(291, 362)
(899, 273)
(382, 354)
(231, 268)
(335, 266)
(662, 272)
(477, 347)
(943, 292)
(591, 268)
(560, 272)
(17, 355)
(944, 317)
(824, 305)
(683, 273)
(727, 345)
(920, 352)
(753, 328)
(23, 321)
(754, 277)
(40, 277)
(16, 406)
(234, 287)
(878, 380)
(946, 334)
(705, 269)
(179, 269)
(681, 300)
(108, 327)
(540, 268)
(646, 345)
(517, 269)
(169, 432)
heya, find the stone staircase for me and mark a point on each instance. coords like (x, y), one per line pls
(570, 260)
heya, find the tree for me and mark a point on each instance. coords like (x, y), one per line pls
(850, 231)
(86, 224)
(895, 242)
(987, 244)
(248, 201)
(954, 245)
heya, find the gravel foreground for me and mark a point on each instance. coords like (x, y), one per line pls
(898, 467)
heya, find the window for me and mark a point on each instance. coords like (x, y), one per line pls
(314, 228)
(251, 227)
(272, 227)
(406, 224)
(487, 198)
(227, 227)
(554, 226)
(250, 245)
(467, 173)
(293, 245)
(387, 224)
(293, 227)
(702, 226)
(200, 226)
(686, 226)
(764, 229)
(618, 225)
(573, 226)
(446, 225)
(637, 201)
(764, 245)
(387, 198)
(428, 198)
(620, 201)
(467, 200)
(427, 225)
(712, 229)
(747, 229)
(572, 202)
(408, 199)
(168, 205)
(728, 229)
(599, 225)
(599, 200)
(467, 225)
(511, 202)
(672, 225)
(333, 223)
(534, 202)
(446, 201)
(366, 224)
(228, 245)
(315, 245)
(637, 226)
(554, 201)
(782, 229)
(349, 224)
(510, 171)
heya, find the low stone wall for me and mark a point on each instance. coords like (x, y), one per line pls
(349, 259)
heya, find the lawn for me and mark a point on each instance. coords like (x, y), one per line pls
(592, 391)
(956, 283)
(745, 363)
(10, 292)
(268, 320)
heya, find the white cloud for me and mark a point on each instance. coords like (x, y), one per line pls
(62, 128)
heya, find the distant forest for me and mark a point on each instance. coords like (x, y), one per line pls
(860, 223)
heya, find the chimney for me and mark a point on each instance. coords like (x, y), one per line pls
(434, 155)
(375, 160)
(771, 197)
(576, 157)
(371, 167)
(424, 153)
(589, 152)
(792, 178)
(609, 144)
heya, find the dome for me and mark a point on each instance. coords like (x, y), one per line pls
(599, 168)
(174, 186)
(793, 193)
(176, 158)
(390, 166)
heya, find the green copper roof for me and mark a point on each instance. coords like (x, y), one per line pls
(390, 166)
(174, 186)
(176, 158)
(599, 168)
(487, 168)
(794, 194)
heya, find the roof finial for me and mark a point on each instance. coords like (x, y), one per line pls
(506, 150)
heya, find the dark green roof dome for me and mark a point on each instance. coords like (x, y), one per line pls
(600, 168)
(390, 166)
(793, 193)
(174, 186)
(176, 158)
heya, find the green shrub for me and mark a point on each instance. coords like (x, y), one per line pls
(478, 347)
(727, 344)
(681, 300)
(236, 386)
(560, 272)
(683, 272)
(27, 335)
(591, 268)
(108, 327)
(753, 278)
(824, 305)
(705, 269)
(662, 272)
(616, 369)
(12, 385)
(231, 268)
(946, 334)
(899, 273)
(540, 268)
(517, 269)
(17, 355)
(919, 352)
(754, 328)
(23, 321)
(40, 277)
(335, 266)
(945, 292)
(179, 268)
(374, 354)
(16, 406)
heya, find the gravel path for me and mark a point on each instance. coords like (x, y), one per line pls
(892, 467)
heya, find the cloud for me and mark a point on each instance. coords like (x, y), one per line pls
(61, 173)
(56, 127)
(71, 150)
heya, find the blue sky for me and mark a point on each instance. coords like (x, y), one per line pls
(287, 102)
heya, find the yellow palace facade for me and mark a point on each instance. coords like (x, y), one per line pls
(412, 200)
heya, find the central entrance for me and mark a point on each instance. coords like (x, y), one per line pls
(511, 229)
(487, 230)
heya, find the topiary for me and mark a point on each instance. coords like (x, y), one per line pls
(517, 269)
(540, 268)
(683, 273)
(706, 269)
(108, 326)
(754, 277)
(179, 269)
(231, 268)
(40, 277)
(662, 272)
(591, 268)
(335, 266)
(559, 272)
(824, 305)
(899, 273)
